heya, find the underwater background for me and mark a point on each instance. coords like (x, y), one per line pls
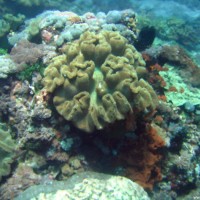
(99, 99)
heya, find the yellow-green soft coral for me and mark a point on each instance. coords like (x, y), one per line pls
(7, 151)
(95, 81)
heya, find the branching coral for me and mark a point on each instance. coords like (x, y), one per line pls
(95, 81)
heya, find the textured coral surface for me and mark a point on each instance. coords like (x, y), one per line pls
(7, 147)
(88, 185)
(95, 82)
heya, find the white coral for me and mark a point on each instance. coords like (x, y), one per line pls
(7, 66)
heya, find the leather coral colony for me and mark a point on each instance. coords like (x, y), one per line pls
(95, 81)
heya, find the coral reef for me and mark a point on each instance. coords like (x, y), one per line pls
(140, 157)
(23, 175)
(56, 27)
(88, 185)
(7, 66)
(177, 56)
(29, 3)
(173, 28)
(73, 166)
(7, 151)
(95, 81)
(5, 27)
(167, 61)
(177, 91)
(9, 23)
(14, 21)
(23, 109)
(181, 167)
(23, 55)
(26, 53)
(35, 138)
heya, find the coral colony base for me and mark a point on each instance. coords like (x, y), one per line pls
(85, 115)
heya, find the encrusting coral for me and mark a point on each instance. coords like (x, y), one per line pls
(141, 157)
(95, 81)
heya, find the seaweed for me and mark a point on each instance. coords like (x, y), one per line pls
(27, 73)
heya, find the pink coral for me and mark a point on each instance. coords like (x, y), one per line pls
(46, 36)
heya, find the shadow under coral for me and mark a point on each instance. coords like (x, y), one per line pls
(135, 154)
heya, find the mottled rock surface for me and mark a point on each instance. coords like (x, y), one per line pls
(87, 185)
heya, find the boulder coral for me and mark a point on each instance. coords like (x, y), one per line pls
(87, 185)
(95, 81)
